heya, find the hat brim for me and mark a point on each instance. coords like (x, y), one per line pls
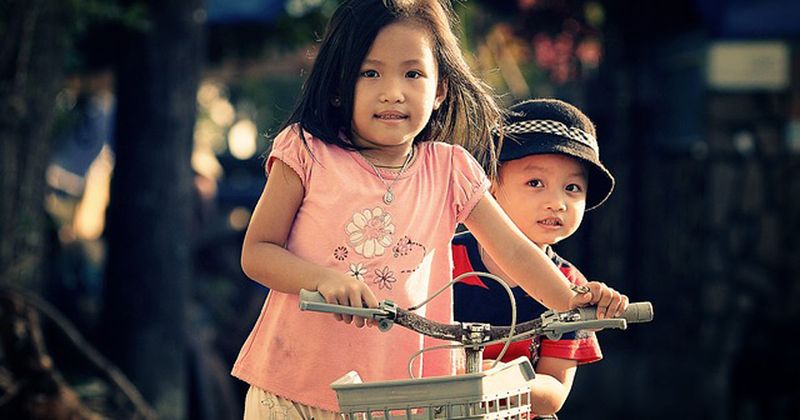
(601, 182)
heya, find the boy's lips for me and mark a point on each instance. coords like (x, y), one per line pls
(551, 222)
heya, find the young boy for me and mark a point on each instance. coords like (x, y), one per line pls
(549, 174)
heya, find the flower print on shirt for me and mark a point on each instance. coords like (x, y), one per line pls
(384, 278)
(357, 271)
(410, 254)
(340, 253)
(370, 232)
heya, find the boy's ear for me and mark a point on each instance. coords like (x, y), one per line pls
(441, 94)
(497, 181)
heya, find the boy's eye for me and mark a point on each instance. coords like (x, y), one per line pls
(413, 74)
(574, 188)
(369, 73)
(535, 183)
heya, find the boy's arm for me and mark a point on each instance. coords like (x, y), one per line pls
(520, 258)
(552, 384)
(265, 260)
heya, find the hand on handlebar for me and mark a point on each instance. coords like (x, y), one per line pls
(342, 289)
(609, 302)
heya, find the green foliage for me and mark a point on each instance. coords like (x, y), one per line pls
(273, 97)
(95, 27)
(88, 12)
(292, 31)
(296, 27)
(468, 14)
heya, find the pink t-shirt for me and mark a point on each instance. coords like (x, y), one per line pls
(402, 251)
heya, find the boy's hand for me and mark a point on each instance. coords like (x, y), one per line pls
(342, 289)
(609, 302)
(487, 364)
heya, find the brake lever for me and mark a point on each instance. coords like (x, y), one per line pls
(555, 329)
(384, 314)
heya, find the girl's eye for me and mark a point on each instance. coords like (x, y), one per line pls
(574, 188)
(413, 74)
(535, 183)
(369, 73)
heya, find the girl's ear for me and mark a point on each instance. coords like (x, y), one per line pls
(441, 94)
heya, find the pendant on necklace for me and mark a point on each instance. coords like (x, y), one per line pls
(388, 197)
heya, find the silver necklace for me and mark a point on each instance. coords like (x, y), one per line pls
(388, 198)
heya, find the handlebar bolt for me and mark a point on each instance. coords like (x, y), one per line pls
(385, 324)
(476, 332)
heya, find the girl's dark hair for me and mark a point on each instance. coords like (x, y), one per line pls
(467, 115)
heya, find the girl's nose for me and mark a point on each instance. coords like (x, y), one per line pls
(392, 93)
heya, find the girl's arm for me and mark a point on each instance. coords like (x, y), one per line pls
(521, 259)
(265, 260)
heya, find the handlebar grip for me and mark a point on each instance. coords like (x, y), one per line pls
(636, 312)
(311, 296)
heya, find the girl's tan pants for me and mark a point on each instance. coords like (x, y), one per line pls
(262, 405)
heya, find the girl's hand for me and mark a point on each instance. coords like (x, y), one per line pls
(342, 289)
(609, 302)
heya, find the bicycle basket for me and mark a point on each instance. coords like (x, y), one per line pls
(499, 393)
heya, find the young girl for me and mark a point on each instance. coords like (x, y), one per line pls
(361, 202)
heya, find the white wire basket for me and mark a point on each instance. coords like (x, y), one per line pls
(502, 392)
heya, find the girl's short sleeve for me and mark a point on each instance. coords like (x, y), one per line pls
(288, 147)
(469, 182)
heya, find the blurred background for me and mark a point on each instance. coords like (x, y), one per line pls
(131, 142)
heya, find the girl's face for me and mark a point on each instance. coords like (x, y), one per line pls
(545, 195)
(397, 89)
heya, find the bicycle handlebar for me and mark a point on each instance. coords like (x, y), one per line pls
(551, 324)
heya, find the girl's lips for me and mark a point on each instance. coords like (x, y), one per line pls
(390, 115)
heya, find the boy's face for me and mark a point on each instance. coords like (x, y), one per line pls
(545, 195)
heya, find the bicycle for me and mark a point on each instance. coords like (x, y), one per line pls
(501, 392)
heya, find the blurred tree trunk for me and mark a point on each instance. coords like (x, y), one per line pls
(32, 48)
(149, 214)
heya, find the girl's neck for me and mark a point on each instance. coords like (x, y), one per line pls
(388, 157)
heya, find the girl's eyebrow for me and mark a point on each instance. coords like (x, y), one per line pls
(375, 62)
(414, 61)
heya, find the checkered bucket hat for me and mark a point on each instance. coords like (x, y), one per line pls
(543, 126)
